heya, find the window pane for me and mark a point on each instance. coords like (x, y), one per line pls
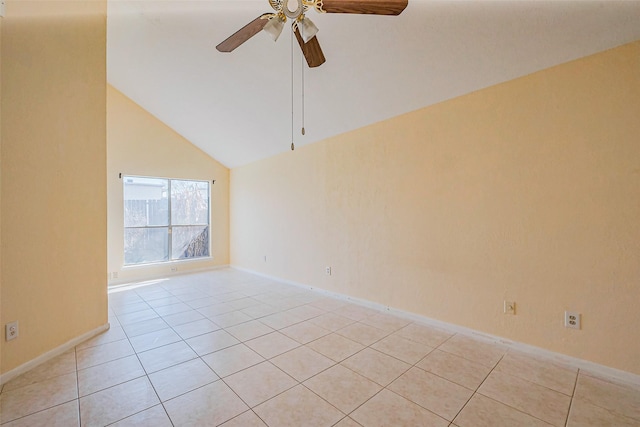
(146, 202)
(189, 202)
(143, 245)
(190, 242)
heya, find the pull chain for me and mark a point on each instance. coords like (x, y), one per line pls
(292, 35)
(302, 64)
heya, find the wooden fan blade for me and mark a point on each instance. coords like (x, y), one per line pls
(243, 34)
(311, 50)
(374, 7)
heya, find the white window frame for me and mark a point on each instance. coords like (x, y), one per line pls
(170, 225)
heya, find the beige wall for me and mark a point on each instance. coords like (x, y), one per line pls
(1, 340)
(527, 191)
(53, 183)
(139, 144)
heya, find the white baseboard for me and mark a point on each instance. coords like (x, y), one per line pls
(8, 376)
(587, 367)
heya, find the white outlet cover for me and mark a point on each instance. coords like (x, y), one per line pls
(572, 320)
(11, 330)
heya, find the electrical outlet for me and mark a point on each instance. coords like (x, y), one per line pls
(509, 307)
(115, 275)
(572, 319)
(11, 330)
(327, 271)
(174, 269)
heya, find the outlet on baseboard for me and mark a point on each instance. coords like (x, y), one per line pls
(174, 269)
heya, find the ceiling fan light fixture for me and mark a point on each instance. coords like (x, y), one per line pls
(307, 28)
(274, 27)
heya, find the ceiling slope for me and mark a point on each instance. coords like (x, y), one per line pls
(237, 107)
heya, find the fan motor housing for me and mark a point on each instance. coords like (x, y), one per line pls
(292, 14)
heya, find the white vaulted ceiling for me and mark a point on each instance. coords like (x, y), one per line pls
(237, 106)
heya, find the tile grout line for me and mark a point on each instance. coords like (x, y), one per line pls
(244, 286)
(301, 383)
(573, 393)
(150, 382)
(386, 387)
(415, 365)
(145, 370)
(75, 356)
(38, 411)
(510, 406)
(198, 357)
(254, 413)
(135, 352)
(52, 406)
(309, 319)
(219, 377)
(298, 383)
(359, 321)
(478, 387)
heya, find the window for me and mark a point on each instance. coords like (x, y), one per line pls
(165, 219)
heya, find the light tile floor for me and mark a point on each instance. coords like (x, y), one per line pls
(233, 349)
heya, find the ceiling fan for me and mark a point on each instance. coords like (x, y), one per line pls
(305, 30)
